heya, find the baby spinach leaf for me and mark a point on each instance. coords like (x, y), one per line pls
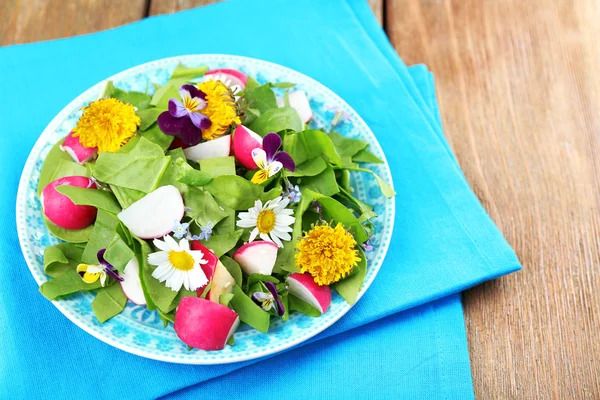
(118, 253)
(156, 136)
(261, 98)
(283, 85)
(181, 75)
(233, 267)
(249, 312)
(323, 183)
(189, 73)
(191, 176)
(101, 199)
(385, 188)
(54, 157)
(221, 244)
(148, 117)
(295, 304)
(218, 166)
(125, 196)
(251, 84)
(306, 145)
(234, 191)
(69, 235)
(225, 299)
(69, 168)
(105, 229)
(166, 317)
(277, 120)
(349, 287)
(256, 278)
(365, 210)
(203, 207)
(140, 169)
(344, 179)
(56, 261)
(169, 177)
(227, 224)
(109, 301)
(137, 99)
(312, 167)
(347, 147)
(365, 156)
(67, 283)
(339, 213)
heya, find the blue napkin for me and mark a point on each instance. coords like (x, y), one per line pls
(443, 242)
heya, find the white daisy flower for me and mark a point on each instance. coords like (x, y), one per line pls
(177, 265)
(271, 222)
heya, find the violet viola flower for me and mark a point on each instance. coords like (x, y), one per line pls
(270, 300)
(184, 117)
(108, 267)
(269, 159)
(91, 273)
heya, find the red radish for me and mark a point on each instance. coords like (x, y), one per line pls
(203, 324)
(244, 141)
(153, 215)
(209, 267)
(222, 282)
(77, 151)
(220, 147)
(257, 257)
(131, 285)
(177, 143)
(59, 209)
(300, 103)
(304, 287)
(233, 79)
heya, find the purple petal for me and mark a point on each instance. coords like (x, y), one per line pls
(194, 91)
(168, 124)
(190, 134)
(200, 120)
(271, 143)
(278, 304)
(272, 288)
(113, 274)
(285, 159)
(279, 307)
(177, 109)
(107, 266)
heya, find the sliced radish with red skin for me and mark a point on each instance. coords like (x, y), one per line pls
(153, 215)
(300, 103)
(59, 209)
(220, 147)
(244, 141)
(209, 267)
(304, 287)
(257, 257)
(203, 324)
(78, 152)
(235, 80)
(131, 284)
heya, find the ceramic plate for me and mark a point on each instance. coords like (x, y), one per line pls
(139, 331)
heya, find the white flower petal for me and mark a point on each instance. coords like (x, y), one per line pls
(197, 255)
(283, 228)
(285, 220)
(244, 223)
(171, 243)
(276, 240)
(184, 245)
(265, 236)
(253, 235)
(283, 235)
(260, 157)
(161, 245)
(158, 258)
(274, 168)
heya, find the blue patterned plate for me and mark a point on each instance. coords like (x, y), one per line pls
(139, 331)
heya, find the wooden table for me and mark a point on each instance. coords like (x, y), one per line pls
(519, 92)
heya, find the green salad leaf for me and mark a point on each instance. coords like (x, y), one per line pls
(340, 213)
(54, 157)
(234, 191)
(125, 196)
(105, 229)
(365, 156)
(221, 244)
(347, 147)
(148, 117)
(181, 75)
(137, 99)
(233, 267)
(306, 145)
(118, 253)
(101, 199)
(203, 207)
(156, 136)
(61, 258)
(109, 301)
(349, 287)
(261, 98)
(248, 311)
(218, 166)
(277, 120)
(295, 304)
(191, 176)
(386, 189)
(311, 167)
(67, 283)
(323, 183)
(69, 235)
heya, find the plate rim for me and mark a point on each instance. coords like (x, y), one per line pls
(29, 166)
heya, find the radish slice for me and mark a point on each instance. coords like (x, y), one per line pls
(244, 141)
(304, 287)
(300, 103)
(77, 151)
(233, 79)
(59, 209)
(220, 147)
(153, 215)
(131, 285)
(257, 257)
(209, 267)
(203, 324)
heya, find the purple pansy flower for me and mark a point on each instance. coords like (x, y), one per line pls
(184, 117)
(108, 267)
(266, 301)
(269, 159)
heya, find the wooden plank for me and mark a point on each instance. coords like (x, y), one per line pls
(29, 21)
(519, 91)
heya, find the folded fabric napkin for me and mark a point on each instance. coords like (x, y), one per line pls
(443, 240)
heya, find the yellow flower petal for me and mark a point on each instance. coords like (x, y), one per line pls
(220, 108)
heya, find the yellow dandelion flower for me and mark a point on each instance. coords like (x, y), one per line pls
(220, 108)
(327, 253)
(106, 124)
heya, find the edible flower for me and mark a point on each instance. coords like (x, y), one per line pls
(184, 117)
(106, 124)
(294, 194)
(270, 160)
(205, 231)
(220, 108)
(271, 222)
(90, 273)
(269, 300)
(367, 246)
(327, 253)
(179, 229)
(177, 265)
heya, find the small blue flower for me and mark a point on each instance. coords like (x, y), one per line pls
(367, 246)
(179, 229)
(294, 194)
(206, 231)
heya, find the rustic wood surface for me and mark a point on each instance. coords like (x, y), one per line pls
(519, 93)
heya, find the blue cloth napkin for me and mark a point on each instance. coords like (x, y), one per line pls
(443, 242)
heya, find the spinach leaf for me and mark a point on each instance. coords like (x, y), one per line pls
(283, 85)
(323, 183)
(140, 169)
(386, 189)
(349, 287)
(365, 210)
(249, 312)
(366, 156)
(221, 244)
(347, 147)
(203, 207)
(148, 117)
(156, 136)
(109, 301)
(118, 253)
(101, 199)
(225, 299)
(306, 145)
(105, 229)
(69, 235)
(227, 224)
(234, 191)
(191, 176)
(181, 75)
(137, 99)
(277, 120)
(233, 267)
(312, 167)
(251, 84)
(218, 166)
(339, 213)
(169, 177)
(189, 73)
(67, 283)
(125, 196)
(62, 257)
(295, 304)
(54, 157)
(166, 317)
(262, 98)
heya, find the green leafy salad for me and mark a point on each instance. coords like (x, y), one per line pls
(212, 201)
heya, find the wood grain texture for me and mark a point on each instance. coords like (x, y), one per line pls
(519, 92)
(26, 21)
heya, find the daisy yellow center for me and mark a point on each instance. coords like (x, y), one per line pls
(220, 108)
(265, 222)
(181, 260)
(106, 124)
(327, 253)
